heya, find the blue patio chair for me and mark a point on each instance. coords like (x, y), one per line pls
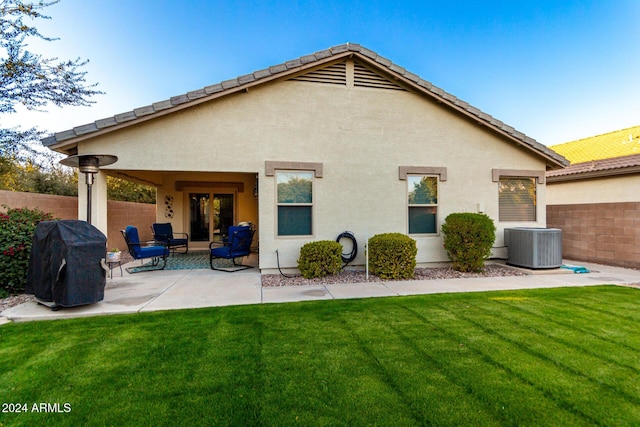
(144, 250)
(163, 232)
(238, 245)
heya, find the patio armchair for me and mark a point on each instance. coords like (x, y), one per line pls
(238, 245)
(225, 237)
(144, 250)
(163, 232)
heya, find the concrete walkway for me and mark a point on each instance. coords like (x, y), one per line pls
(180, 289)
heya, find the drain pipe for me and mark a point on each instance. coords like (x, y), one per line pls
(366, 259)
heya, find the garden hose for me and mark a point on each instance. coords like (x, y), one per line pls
(278, 261)
(348, 257)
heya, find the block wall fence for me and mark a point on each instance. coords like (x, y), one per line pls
(119, 214)
(604, 233)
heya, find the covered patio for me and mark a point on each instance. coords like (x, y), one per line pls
(201, 204)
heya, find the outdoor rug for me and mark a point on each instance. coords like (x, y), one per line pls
(189, 261)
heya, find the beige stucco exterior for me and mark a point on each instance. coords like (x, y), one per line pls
(611, 189)
(360, 136)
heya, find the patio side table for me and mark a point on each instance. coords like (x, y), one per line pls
(112, 265)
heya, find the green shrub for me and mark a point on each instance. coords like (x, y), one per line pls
(17, 227)
(392, 256)
(319, 259)
(468, 238)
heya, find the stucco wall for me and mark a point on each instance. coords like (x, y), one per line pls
(613, 189)
(120, 214)
(360, 135)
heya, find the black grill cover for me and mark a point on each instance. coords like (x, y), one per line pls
(65, 265)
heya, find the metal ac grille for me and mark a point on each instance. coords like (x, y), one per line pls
(364, 77)
(534, 247)
(333, 74)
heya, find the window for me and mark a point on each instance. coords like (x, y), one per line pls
(422, 204)
(517, 199)
(295, 203)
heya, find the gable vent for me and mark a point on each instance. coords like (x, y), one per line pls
(333, 74)
(364, 77)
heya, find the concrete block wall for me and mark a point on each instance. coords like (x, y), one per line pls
(604, 233)
(120, 214)
(62, 207)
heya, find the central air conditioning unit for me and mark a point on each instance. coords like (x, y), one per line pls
(534, 248)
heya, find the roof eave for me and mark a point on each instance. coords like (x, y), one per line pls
(66, 142)
(594, 174)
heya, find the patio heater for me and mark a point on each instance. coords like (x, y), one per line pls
(89, 164)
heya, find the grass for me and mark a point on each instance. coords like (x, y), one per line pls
(565, 356)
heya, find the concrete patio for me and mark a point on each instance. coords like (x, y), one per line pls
(183, 289)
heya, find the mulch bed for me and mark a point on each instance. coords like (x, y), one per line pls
(348, 276)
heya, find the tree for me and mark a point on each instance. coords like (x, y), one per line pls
(31, 80)
(31, 177)
(295, 190)
(425, 191)
(127, 191)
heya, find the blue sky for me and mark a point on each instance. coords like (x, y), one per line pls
(555, 70)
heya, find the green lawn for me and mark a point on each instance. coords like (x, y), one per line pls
(568, 356)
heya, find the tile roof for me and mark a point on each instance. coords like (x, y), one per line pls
(66, 141)
(622, 142)
(597, 168)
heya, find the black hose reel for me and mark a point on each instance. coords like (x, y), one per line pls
(348, 257)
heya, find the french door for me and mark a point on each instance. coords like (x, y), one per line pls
(211, 213)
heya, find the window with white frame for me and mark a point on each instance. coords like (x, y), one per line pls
(422, 204)
(517, 198)
(294, 195)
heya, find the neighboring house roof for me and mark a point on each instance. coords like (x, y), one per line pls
(622, 142)
(598, 168)
(66, 141)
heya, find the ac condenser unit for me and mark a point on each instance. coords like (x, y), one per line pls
(534, 248)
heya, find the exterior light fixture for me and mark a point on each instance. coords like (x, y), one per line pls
(255, 188)
(89, 164)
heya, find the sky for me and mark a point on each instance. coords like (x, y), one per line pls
(555, 70)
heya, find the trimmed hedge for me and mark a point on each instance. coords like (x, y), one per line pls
(392, 256)
(17, 227)
(468, 239)
(320, 258)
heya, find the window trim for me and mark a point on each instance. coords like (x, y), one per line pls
(440, 172)
(271, 166)
(496, 174)
(538, 178)
(278, 204)
(423, 205)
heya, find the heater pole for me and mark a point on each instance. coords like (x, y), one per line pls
(89, 164)
(89, 181)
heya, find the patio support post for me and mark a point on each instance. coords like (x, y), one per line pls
(98, 201)
(92, 191)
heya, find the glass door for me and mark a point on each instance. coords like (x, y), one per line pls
(210, 216)
(223, 215)
(199, 217)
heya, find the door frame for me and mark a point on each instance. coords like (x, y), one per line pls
(212, 191)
